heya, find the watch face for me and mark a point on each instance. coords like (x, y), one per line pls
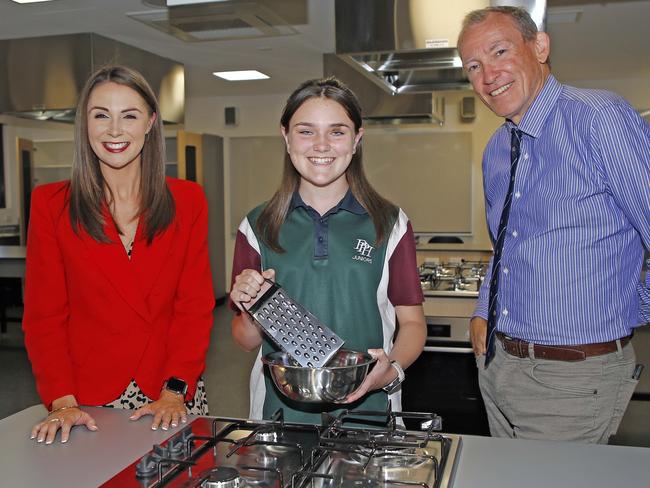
(176, 385)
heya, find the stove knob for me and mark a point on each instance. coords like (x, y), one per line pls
(147, 467)
(177, 445)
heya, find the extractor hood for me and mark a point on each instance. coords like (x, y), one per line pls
(41, 77)
(409, 46)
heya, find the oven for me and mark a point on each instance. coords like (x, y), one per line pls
(444, 379)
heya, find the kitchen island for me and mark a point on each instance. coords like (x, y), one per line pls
(12, 261)
(91, 458)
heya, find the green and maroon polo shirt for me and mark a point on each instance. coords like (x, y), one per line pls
(333, 268)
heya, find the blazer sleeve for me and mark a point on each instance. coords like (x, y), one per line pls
(189, 333)
(45, 319)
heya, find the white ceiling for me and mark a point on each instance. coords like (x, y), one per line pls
(609, 40)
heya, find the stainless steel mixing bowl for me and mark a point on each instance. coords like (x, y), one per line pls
(343, 374)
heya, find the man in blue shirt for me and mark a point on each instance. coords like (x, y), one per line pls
(567, 195)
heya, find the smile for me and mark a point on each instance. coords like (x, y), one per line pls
(115, 147)
(321, 160)
(501, 90)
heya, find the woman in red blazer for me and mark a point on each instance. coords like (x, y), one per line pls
(118, 290)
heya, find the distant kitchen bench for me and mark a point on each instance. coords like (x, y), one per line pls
(12, 261)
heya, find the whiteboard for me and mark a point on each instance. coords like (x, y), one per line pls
(427, 174)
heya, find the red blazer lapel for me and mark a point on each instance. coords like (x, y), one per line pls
(113, 261)
(148, 260)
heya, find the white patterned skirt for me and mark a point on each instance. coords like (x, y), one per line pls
(133, 397)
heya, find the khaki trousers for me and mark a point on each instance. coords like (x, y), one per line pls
(581, 401)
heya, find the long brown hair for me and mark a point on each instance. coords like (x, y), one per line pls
(87, 184)
(275, 212)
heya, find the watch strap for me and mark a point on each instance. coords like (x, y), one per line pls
(392, 386)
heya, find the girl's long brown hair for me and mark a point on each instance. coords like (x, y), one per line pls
(275, 212)
(87, 185)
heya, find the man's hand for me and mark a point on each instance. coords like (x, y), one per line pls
(477, 334)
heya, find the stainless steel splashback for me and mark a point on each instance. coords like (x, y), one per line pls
(41, 77)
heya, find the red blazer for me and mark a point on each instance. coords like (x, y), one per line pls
(95, 320)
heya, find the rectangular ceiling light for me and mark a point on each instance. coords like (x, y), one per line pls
(249, 74)
(30, 1)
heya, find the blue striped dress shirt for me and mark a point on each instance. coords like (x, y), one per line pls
(579, 220)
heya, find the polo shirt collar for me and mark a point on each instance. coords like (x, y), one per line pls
(534, 118)
(348, 202)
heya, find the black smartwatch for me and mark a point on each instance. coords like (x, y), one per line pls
(176, 385)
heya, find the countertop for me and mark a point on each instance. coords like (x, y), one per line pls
(12, 261)
(88, 459)
(13, 252)
(91, 458)
(457, 294)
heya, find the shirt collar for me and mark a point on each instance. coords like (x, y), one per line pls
(348, 202)
(534, 118)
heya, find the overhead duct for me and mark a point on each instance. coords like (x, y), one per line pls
(396, 53)
(204, 20)
(42, 77)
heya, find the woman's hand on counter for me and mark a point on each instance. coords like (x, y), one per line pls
(168, 410)
(382, 374)
(477, 334)
(65, 414)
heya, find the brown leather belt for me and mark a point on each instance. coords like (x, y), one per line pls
(519, 348)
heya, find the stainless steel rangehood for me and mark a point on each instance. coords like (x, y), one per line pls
(41, 77)
(406, 49)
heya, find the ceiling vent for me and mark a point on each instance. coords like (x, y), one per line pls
(200, 21)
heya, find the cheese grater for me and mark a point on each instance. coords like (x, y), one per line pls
(292, 327)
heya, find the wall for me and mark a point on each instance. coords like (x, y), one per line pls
(27, 129)
(259, 116)
(634, 90)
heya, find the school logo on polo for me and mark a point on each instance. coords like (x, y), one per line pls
(364, 251)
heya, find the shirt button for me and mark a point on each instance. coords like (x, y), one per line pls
(514, 233)
(506, 270)
(517, 194)
(526, 156)
(320, 239)
(505, 311)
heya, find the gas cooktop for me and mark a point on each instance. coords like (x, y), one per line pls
(232, 453)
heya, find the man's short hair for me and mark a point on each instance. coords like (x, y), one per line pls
(520, 16)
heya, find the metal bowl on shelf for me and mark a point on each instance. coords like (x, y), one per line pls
(343, 374)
